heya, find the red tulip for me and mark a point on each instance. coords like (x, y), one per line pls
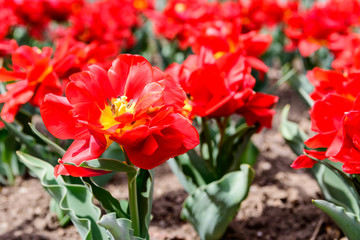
(223, 86)
(325, 24)
(133, 104)
(34, 77)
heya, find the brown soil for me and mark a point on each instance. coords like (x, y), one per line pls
(278, 206)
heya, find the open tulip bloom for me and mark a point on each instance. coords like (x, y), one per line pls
(133, 104)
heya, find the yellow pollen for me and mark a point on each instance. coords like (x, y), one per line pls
(219, 54)
(115, 108)
(180, 7)
(38, 50)
(43, 75)
(187, 108)
(140, 4)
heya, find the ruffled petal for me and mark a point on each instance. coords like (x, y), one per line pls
(59, 120)
(129, 74)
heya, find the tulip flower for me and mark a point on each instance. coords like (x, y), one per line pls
(133, 104)
(34, 78)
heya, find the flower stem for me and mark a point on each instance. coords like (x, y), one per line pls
(133, 201)
(207, 136)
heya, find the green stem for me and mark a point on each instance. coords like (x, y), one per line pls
(222, 127)
(133, 201)
(208, 139)
(282, 80)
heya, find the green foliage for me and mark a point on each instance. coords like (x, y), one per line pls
(144, 186)
(54, 146)
(233, 148)
(74, 199)
(291, 132)
(217, 175)
(212, 207)
(337, 188)
(346, 221)
(118, 229)
(61, 215)
(9, 165)
(145, 189)
(108, 202)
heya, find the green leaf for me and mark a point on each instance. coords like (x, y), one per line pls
(107, 201)
(74, 199)
(118, 229)
(202, 166)
(109, 165)
(186, 181)
(346, 221)
(62, 217)
(335, 188)
(250, 154)
(211, 208)
(184, 167)
(10, 167)
(28, 141)
(145, 189)
(302, 85)
(56, 147)
(291, 132)
(229, 157)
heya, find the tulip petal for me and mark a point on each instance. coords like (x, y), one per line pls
(129, 74)
(57, 116)
(303, 162)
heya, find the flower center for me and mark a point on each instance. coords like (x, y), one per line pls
(115, 108)
(180, 7)
(120, 106)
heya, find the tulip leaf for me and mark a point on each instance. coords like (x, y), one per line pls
(291, 132)
(189, 177)
(56, 147)
(185, 180)
(211, 208)
(250, 154)
(346, 221)
(74, 199)
(32, 147)
(302, 85)
(105, 164)
(9, 164)
(118, 229)
(202, 166)
(335, 188)
(107, 201)
(61, 215)
(145, 189)
(230, 152)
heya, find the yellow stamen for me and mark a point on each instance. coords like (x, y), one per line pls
(180, 7)
(44, 74)
(115, 108)
(140, 4)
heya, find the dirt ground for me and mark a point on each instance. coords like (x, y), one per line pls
(278, 206)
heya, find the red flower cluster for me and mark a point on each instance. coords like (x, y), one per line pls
(101, 21)
(133, 104)
(36, 72)
(325, 24)
(188, 21)
(349, 57)
(335, 117)
(34, 76)
(37, 14)
(222, 86)
(106, 21)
